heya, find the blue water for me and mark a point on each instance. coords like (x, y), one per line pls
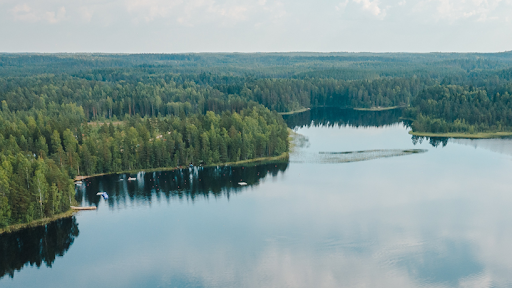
(435, 219)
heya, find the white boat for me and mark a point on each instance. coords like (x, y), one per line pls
(242, 183)
(104, 194)
(78, 183)
(132, 179)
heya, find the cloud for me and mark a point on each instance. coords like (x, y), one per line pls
(258, 25)
(194, 11)
(453, 10)
(372, 7)
(54, 17)
(341, 6)
(86, 13)
(151, 9)
(24, 12)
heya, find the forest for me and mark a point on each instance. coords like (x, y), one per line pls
(64, 115)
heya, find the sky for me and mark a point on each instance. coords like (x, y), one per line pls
(177, 26)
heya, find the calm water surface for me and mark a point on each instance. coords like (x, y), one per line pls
(434, 219)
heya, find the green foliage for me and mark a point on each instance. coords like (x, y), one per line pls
(143, 143)
(454, 108)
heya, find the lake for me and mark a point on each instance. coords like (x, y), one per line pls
(439, 218)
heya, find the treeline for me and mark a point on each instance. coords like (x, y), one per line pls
(265, 65)
(453, 108)
(172, 95)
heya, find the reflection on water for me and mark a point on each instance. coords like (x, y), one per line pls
(503, 145)
(443, 263)
(498, 145)
(189, 184)
(37, 245)
(434, 141)
(343, 117)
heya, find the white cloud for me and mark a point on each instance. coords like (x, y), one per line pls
(24, 12)
(151, 9)
(479, 10)
(372, 7)
(341, 6)
(54, 17)
(86, 13)
(195, 11)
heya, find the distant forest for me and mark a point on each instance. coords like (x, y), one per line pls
(64, 115)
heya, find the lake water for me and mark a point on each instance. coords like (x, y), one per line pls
(441, 218)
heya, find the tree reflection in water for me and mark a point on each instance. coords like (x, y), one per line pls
(41, 245)
(189, 183)
(434, 141)
(343, 117)
(37, 245)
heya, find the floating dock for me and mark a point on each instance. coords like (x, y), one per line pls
(83, 208)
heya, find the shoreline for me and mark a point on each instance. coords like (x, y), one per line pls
(371, 109)
(38, 222)
(71, 212)
(479, 135)
(261, 159)
(379, 108)
(294, 112)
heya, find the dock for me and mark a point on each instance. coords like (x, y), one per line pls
(83, 208)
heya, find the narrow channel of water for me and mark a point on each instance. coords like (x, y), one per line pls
(433, 219)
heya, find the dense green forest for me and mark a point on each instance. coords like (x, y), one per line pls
(64, 115)
(42, 150)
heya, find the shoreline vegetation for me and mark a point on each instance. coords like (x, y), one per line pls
(283, 156)
(378, 108)
(294, 112)
(478, 135)
(371, 109)
(38, 222)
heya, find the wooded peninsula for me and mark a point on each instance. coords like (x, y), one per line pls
(64, 115)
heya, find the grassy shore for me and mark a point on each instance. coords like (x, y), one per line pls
(39, 222)
(294, 112)
(479, 135)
